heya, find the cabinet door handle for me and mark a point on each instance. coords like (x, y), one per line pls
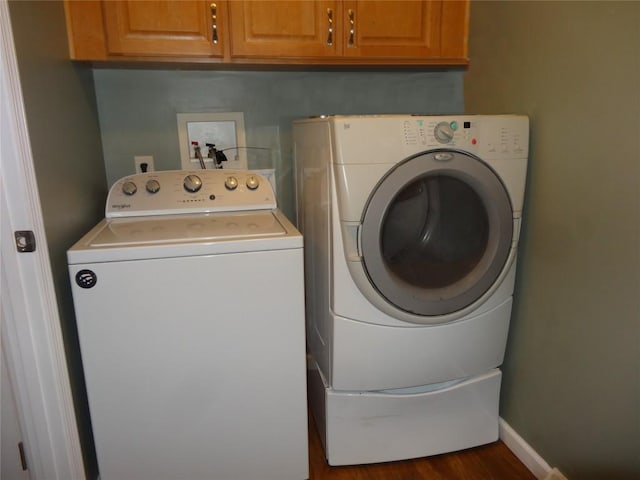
(330, 20)
(352, 27)
(214, 23)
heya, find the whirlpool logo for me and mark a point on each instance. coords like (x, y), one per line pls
(121, 206)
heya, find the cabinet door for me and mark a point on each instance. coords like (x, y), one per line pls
(392, 28)
(164, 27)
(294, 28)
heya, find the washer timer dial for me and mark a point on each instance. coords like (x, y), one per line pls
(192, 183)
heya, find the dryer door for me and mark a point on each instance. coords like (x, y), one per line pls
(436, 232)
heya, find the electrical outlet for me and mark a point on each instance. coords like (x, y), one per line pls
(143, 163)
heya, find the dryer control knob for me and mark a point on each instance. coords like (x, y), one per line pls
(152, 186)
(192, 183)
(129, 188)
(252, 182)
(231, 183)
(444, 132)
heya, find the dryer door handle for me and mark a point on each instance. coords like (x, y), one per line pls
(351, 241)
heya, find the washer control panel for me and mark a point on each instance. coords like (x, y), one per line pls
(189, 191)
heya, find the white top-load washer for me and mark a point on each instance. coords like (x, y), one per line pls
(190, 314)
(411, 226)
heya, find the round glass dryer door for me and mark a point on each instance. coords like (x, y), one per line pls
(436, 232)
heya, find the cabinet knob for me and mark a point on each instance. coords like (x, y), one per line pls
(214, 23)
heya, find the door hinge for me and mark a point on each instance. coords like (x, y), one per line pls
(25, 241)
(23, 457)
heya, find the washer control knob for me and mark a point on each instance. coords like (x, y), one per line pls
(252, 182)
(444, 132)
(152, 186)
(192, 183)
(129, 188)
(231, 183)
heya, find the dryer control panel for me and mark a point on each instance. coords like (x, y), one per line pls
(189, 191)
(491, 136)
(375, 139)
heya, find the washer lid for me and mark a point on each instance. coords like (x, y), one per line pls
(185, 235)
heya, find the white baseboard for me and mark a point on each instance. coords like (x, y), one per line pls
(525, 453)
(555, 474)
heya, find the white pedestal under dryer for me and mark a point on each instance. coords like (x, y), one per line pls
(189, 301)
(411, 228)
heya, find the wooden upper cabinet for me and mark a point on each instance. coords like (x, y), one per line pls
(177, 28)
(350, 31)
(410, 31)
(392, 29)
(294, 28)
(309, 32)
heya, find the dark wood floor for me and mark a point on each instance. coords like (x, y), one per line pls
(489, 462)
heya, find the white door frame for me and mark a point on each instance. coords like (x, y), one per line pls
(31, 332)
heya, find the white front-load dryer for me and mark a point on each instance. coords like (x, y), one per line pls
(411, 227)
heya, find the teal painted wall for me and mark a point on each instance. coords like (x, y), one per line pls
(138, 108)
(571, 385)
